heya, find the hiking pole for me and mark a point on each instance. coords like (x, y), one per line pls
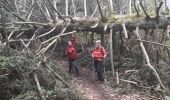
(104, 65)
(93, 74)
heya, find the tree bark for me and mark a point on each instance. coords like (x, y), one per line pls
(39, 87)
(111, 52)
(100, 9)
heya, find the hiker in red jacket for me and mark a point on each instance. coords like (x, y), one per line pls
(72, 55)
(98, 54)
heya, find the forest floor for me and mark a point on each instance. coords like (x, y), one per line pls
(92, 89)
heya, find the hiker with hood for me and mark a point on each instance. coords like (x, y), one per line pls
(98, 54)
(72, 55)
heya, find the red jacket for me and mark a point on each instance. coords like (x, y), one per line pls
(98, 53)
(71, 52)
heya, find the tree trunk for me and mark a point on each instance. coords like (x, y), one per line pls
(130, 7)
(111, 51)
(100, 9)
(165, 4)
(85, 8)
(155, 6)
(74, 9)
(111, 6)
(66, 1)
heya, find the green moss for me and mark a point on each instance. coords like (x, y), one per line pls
(112, 18)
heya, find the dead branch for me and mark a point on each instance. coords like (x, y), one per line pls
(101, 13)
(42, 11)
(147, 59)
(157, 11)
(117, 77)
(94, 11)
(33, 23)
(54, 40)
(124, 30)
(16, 15)
(128, 71)
(164, 45)
(47, 32)
(10, 35)
(56, 10)
(30, 12)
(51, 15)
(56, 74)
(147, 16)
(135, 8)
(63, 34)
(26, 6)
(39, 87)
(131, 82)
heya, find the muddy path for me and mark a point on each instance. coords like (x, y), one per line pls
(95, 90)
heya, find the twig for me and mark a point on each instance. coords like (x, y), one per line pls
(128, 71)
(132, 82)
(10, 35)
(47, 32)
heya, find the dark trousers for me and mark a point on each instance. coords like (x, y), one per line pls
(98, 67)
(72, 64)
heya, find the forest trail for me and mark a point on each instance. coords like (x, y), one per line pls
(93, 90)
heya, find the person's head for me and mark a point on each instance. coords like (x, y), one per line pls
(69, 43)
(98, 43)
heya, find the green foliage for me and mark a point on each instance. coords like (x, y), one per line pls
(112, 18)
(3, 61)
